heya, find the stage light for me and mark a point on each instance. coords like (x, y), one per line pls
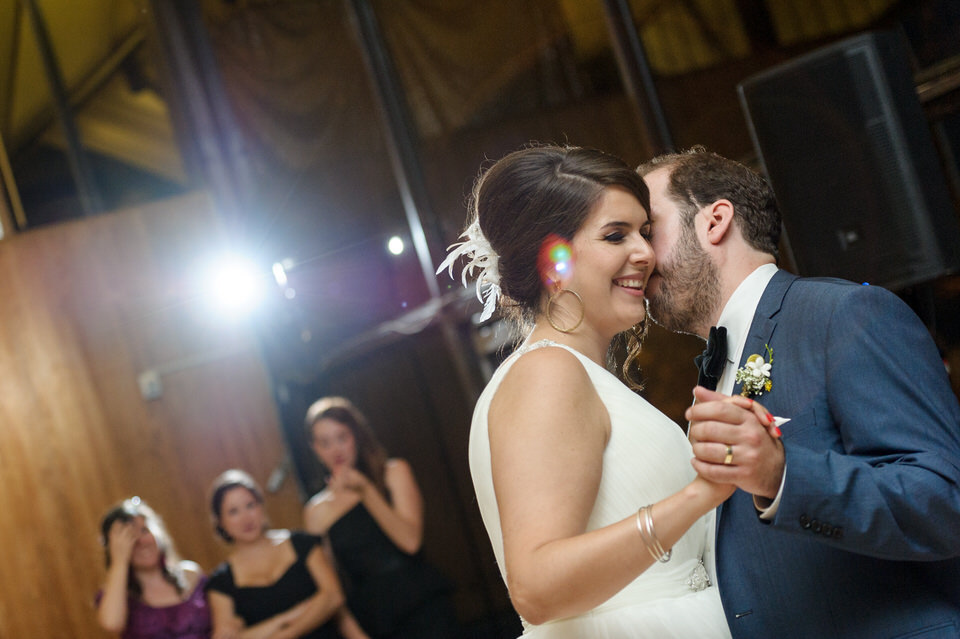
(235, 284)
(280, 274)
(395, 245)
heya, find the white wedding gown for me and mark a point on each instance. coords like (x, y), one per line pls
(646, 459)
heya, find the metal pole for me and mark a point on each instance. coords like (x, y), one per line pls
(636, 76)
(80, 168)
(11, 203)
(198, 99)
(406, 167)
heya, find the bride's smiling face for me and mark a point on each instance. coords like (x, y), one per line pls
(611, 263)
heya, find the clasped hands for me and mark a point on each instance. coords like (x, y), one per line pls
(736, 441)
(348, 479)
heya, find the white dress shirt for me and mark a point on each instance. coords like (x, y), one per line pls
(736, 317)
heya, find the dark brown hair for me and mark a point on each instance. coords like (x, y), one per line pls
(699, 177)
(544, 191)
(537, 192)
(371, 455)
(226, 481)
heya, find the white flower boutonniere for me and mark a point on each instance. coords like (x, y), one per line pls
(755, 375)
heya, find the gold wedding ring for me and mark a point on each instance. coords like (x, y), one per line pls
(729, 458)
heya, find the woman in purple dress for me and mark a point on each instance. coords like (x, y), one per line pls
(149, 592)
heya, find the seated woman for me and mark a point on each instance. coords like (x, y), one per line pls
(149, 592)
(277, 582)
(372, 513)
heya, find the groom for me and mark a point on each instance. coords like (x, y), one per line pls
(847, 521)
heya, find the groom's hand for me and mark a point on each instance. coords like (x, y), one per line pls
(735, 442)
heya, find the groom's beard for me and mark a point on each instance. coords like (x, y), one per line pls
(689, 289)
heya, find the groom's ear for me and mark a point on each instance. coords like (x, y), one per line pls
(719, 219)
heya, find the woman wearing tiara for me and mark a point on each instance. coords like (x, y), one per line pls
(149, 592)
(598, 522)
(276, 583)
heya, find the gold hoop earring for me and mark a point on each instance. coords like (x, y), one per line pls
(553, 300)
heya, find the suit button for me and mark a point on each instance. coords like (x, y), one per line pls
(838, 532)
(828, 530)
(804, 521)
(815, 526)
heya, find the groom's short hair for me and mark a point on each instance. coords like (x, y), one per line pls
(699, 177)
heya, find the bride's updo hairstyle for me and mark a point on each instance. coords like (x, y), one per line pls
(535, 193)
(541, 192)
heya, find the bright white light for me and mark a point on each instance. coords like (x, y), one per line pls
(280, 274)
(395, 245)
(235, 284)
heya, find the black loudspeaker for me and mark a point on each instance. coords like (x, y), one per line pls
(845, 144)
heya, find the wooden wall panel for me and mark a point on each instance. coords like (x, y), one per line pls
(84, 308)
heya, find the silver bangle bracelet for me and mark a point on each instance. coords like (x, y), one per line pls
(649, 536)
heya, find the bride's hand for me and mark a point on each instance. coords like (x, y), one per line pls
(736, 440)
(706, 398)
(715, 493)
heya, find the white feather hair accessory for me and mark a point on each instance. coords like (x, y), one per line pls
(482, 257)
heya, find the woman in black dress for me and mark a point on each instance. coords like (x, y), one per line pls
(278, 582)
(372, 513)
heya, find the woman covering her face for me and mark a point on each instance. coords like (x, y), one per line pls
(149, 591)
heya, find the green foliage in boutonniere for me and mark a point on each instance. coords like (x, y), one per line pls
(755, 375)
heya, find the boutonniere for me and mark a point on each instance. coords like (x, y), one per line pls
(755, 375)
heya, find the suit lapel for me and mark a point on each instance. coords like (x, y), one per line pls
(764, 319)
(762, 328)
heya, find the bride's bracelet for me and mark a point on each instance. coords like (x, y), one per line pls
(649, 536)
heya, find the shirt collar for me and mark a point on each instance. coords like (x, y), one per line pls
(739, 310)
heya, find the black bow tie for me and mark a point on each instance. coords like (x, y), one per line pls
(712, 360)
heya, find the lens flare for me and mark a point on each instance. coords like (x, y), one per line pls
(555, 260)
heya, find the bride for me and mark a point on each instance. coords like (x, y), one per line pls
(598, 521)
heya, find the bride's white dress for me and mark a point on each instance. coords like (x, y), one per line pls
(646, 459)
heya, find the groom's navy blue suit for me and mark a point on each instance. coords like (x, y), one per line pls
(866, 539)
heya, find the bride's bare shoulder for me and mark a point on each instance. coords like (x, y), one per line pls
(549, 359)
(541, 378)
